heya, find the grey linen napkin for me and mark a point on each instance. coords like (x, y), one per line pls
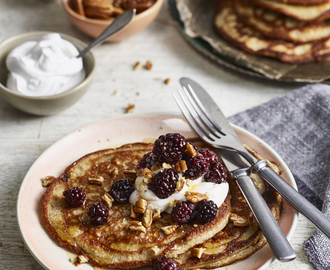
(297, 127)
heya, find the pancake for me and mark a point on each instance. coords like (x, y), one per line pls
(242, 236)
(228, 26)
(307, 13)
(122, 241)
(276, 25)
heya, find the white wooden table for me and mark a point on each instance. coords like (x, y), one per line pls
(24, 137)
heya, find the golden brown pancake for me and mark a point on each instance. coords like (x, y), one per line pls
(308, 13)
(244, 37)
(304, 2)
(276, 25)
(121, 241)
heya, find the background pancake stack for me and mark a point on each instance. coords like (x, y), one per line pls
(293, 31)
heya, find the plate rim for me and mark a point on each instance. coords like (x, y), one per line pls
(148, 115)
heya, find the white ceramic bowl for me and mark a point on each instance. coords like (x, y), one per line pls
(46, 105)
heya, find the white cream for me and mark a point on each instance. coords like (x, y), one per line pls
(215, 192)
(45, 66)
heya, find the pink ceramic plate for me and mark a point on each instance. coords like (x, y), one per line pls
(109, 133)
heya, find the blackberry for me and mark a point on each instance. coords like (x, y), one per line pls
(183, 212)
(98, 213)
(206, 211)
(169, 148)
(209, 155)
(164, 263)
(164, 183)
(216, 174)
(74, 196)
(147, 161)
(121, 190)
(197, 166)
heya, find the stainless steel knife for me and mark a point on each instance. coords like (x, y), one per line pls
(240, 172)
(279, 184)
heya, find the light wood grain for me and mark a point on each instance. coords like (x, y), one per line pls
(24, 137)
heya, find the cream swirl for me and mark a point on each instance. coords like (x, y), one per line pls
(215, 192)
(45, 66)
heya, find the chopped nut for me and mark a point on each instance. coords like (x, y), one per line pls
(238, 220)
(180, 184)
(114, 171)
(130, 108)
(157, 166)
(140, 206)
(191, 150)
(144, 172)
(107, 200)
(146, 180)
(46, 181)
(137, 66)
(169, 229)
(190, 183)
(166, 166)
(172, 203)
(155, 250)
(81, 259)
(181, 166)
(148, 65)
(147, 218)
(96, 181)
(132, 213)
(156, 215)
(195, 196)
(137, 226)
(167, 80)
(197, 252)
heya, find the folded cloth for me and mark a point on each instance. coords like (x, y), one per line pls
(297, 127)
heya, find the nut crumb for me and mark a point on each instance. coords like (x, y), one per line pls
(46, 181)
(81, 259)
(107, 200)
(96, 181)
(169, 229)
(197, 252)
(130, 108)
(167, 80)
(137, 65)
(114, 92)
(148, 65)
(195, 197)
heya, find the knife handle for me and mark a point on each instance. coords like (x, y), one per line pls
(272, 231)
(298, 201)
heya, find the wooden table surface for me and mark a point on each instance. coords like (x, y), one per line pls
(24, 137)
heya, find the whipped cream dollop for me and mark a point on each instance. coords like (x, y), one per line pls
(215, 192)
(45, 66)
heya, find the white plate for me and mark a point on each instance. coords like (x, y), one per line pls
(113, 132)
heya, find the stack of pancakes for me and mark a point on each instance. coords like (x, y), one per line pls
(293, 31)
(123, 242)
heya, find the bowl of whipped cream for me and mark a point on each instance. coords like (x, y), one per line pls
(41, 74)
